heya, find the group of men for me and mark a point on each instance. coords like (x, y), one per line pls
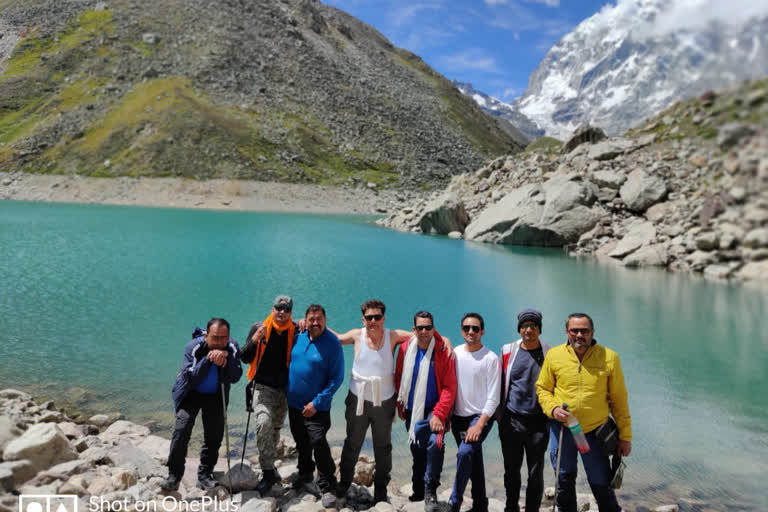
(294, 369)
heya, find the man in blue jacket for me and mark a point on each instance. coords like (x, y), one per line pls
(315, 373)
(211, 361)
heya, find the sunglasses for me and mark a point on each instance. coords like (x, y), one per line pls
(371, 318)
(423, 327)
(283, 308)
(473, 328)
(579, 331)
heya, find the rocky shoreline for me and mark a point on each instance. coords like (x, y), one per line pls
(218, 194)
(686, 191)
(113, 465)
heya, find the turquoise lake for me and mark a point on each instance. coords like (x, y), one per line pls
(98, 302)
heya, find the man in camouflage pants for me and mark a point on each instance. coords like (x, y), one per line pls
(267, 352)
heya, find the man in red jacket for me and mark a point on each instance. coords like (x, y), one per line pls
(425, 381)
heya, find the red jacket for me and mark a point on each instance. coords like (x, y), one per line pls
(445, 375)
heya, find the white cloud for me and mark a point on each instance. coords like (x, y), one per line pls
(511, 92)
(548, 3)
(468, 60)
(495, 2)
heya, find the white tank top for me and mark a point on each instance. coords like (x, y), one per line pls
(373, 363)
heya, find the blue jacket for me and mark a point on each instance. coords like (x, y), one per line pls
(196, 366)
(316, 371)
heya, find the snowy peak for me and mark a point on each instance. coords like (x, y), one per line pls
(500, 109)
(636, 58)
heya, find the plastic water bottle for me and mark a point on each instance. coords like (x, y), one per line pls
(578, 435)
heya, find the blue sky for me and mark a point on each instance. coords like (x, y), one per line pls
(493, 44)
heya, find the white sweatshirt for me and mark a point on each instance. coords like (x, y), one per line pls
(478, 375)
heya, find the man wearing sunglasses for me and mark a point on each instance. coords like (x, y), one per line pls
(587, 377)
(425, 379)
(478, 371)
(268, 354)
(371, 397)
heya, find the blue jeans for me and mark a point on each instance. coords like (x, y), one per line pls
(597, 466)
(469, 463)
(427, 457)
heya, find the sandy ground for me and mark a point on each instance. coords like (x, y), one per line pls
(217, 194)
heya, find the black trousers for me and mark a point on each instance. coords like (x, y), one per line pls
(309, 434)
(213, 432)
(523, 434)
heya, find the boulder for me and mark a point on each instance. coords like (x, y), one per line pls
(364, 473)
(639, 234)
(756, 238)
(243, 478)
(6, 480)
(127, 456)
(15, 394)
(609, 179)
(699, 259)
(43, 444)
(657, 212)
(8, 431)
(729, 235)
(444, 214)
(731, 134)
(22, 470)
(717, 271)
(754, 270)
(584, 133)
(286, 447)
(655, 255)
(553, 213)
(609, 149)
(707, 241)
(642, 190)
(252, 502)
(156, 447)
(454, 235)
(124, 430)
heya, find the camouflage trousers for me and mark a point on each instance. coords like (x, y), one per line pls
(270, 408)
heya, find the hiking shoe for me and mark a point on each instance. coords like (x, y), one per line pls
(171, 483)
(268, 479)
(380, 494)
(301, 480)
(206, 482)
(328, 500)
(430, 501)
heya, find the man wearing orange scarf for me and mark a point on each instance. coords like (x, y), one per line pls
(268, 357)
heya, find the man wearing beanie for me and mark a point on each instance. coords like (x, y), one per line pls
(522, 423)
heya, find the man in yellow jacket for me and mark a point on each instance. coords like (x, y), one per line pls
(588, 378)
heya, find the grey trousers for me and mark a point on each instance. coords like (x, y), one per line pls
(380, 420)
(270, 408)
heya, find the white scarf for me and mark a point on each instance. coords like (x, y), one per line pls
(420, 390)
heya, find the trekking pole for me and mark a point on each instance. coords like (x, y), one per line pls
(226, 428)
(249, 406)
(557, 466)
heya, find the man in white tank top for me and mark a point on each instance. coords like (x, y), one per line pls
(371, 398)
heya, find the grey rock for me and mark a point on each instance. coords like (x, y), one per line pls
(6, 480)
(8, 431)
(606, 195)
(155, 446)
(252, 502)
(717, 271)
(96, 455)
(698, 260)
(43, 444)
(444, 214)
(127, 456)
(666, 508)
(456, 235)
(654, 255)
(72, 467)
(639, 234)
(738, 194)
(243, 477)
(754, 270)
(756, 238)
(731, 134)
(150, 38)
(657, 212)
(609, 149)
(642, 190)
(22, 470)
(15, 394)
(121, 430)
(707, 241)
(730, 235)
(609, 179)
(73, 430)
(584, 133)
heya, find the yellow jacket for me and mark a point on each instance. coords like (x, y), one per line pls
(592, 388)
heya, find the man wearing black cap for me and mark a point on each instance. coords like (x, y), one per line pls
(522, 423)
(268, 354)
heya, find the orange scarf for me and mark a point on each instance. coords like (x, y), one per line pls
(270, 324)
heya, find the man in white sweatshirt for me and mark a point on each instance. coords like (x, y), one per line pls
(478, 373)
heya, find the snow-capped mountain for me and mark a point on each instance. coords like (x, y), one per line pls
(498, 108)
(636, 58)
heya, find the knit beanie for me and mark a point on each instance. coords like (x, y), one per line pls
(529, 315)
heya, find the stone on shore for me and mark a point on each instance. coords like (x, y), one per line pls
(43, 444)
(444, 214)
(642, 190)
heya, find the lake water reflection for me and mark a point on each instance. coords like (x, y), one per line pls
(99, 301)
